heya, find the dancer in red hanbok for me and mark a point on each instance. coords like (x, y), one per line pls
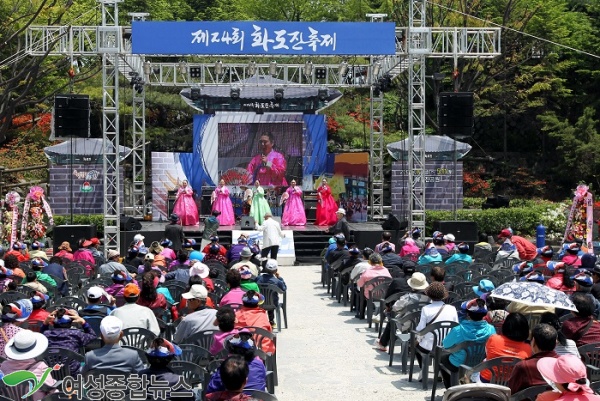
(185, 206)
(293, 214)
(326, 206)
(221, 202)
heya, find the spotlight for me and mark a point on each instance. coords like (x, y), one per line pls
(376, 90)
(139, 87)
(182, 67)
(147, 67)
(320, 73)
(234, 93)
(195, 93)
(343, 69)
(308, 68)
(218, 68)
(195, 72)
(273, 68)
(376, 69)
(252, 68)
(323, 94)
(278, 94)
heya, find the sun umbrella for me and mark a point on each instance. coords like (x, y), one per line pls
(533, 294)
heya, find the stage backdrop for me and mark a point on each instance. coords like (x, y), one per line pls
(225, 145)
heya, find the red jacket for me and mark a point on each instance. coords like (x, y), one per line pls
(527, 250)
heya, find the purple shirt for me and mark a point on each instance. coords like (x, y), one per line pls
(234, 296)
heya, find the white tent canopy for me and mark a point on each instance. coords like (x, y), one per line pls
(437, 147)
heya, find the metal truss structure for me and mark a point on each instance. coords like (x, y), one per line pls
(413, 45)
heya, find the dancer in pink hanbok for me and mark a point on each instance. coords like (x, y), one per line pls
(185, 206)
(326, 206)
(221, 202)
(293, 214)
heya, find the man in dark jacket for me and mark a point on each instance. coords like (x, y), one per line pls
(341, 226)
(59, 274)
(174, 232)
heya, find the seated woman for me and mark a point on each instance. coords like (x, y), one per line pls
(515, 331)
(242, 344)
(567, 376)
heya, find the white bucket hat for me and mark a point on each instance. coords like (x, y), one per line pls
(26, 344)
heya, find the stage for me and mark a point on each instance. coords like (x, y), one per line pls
(308, 241)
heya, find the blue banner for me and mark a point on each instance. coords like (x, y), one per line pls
(263, 37)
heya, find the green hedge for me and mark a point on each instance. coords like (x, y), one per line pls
(523, 220)
(81, 219)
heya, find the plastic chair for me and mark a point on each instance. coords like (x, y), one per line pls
(262, 338)
(195, 354)
(14, 393)
(501, 368)
(275, 299)
(60, 356)
(452, 297)
(382, 305)
(12, 296)
(342, 289)
(98, 376)
(364, 302)
(376, 294)
(477, 391)
(530, 394)
(69, 303)
(456, 267)
(269, 365)
(193, 374)
(475, 353)
(590, 354)
(439, 331)
(467, 274)
(203, 339)
(175, 289)
(425, 269)
(396, 333)
(137, 337)
(465, 289)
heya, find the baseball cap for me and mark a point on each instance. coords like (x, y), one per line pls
(149, 257)
(557, 267)
(166, 349)
(214, 238)
(505, 233)
(449, 237)
(416, 232)
(474, 306)
(196, 255)
(354, 251)
(36, 245)
(197, 291)
(242, 240)
(111, 327)
(19, 310)
(484, 287)
(214, 249)
(341, 211)
(166, 242)
(245, 272)
(523, 267)
(242, 341)
(95, 241)
(112, 253)
(95, 292)
(573, 248)
(131, 290)
(271, 266)
(535, 276)
(134, 250)
(188, 243)
(138, 237)
(39, 262)
(174, 217)
(120, 276)
(584, 279)
(252, 298)
(339, 238)
(462, 247)
(546, 251)
(39, 297)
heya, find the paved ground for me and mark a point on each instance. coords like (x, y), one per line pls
(327, 354)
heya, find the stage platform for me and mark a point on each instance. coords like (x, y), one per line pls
(308, 242)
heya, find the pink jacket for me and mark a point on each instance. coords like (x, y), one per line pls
(37, 368)
(371, 273)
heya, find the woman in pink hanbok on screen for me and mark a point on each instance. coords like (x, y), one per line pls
(185, 206)
(221, 202)
(326, 206)
(293, 214)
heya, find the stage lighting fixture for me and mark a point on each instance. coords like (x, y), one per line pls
(273, 68)
(195, 93)
(278, 94)
(323, 94)
(195, 72)
(182, 67)
(320, 73)
(376, 90)
(234, 93)
(376, 69)
(147, 67)
(343, 69)
(251, 68)
(218, 68)
(308, 68)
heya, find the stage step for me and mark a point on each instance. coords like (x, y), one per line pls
(309, 245)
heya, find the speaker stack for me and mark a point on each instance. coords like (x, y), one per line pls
(206, 205)
(455, 114)
(247, 223)
(128, 223)
(71, 116)
(463, 231)
(310, 205)
(72, 234)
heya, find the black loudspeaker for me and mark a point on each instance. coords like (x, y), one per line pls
(71, 116)
(130, 224)
(455, 114)
(206, 206)
(72, 234)
(463, 231)
(392, 223)
(247, 223)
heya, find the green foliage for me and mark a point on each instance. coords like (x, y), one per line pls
(523, 220)
(82, 219)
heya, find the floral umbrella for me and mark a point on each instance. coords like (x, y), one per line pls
(529, 293)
